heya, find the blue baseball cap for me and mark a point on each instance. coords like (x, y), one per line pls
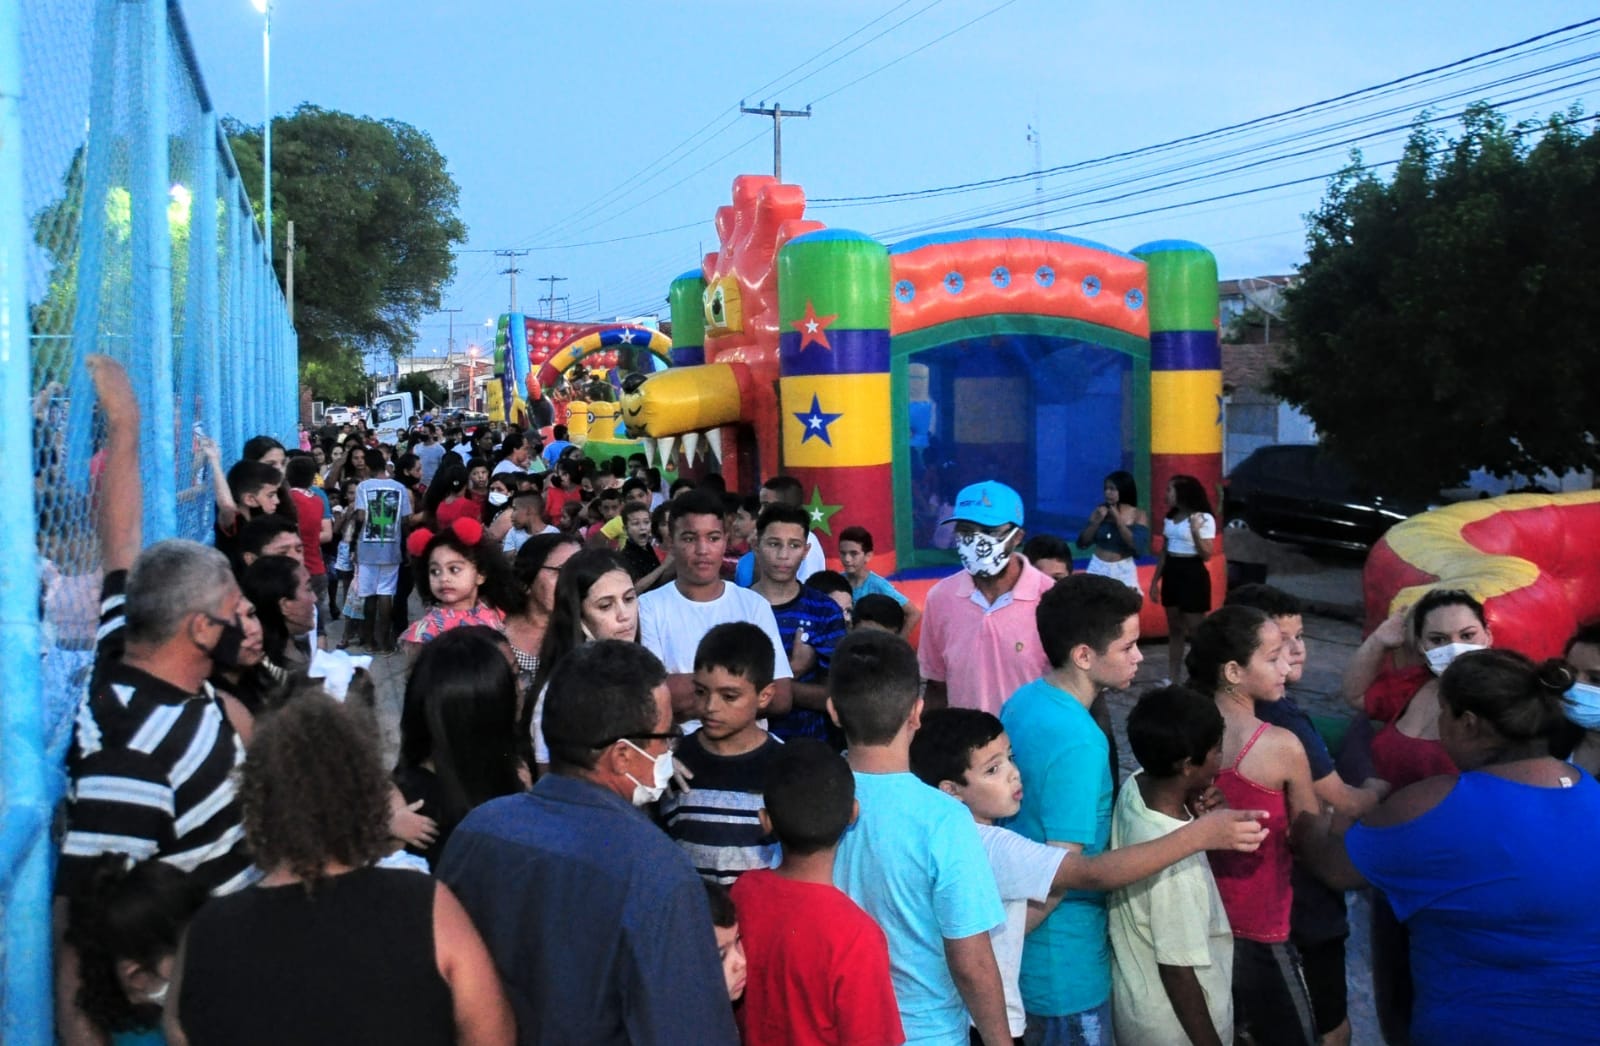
(987, 504)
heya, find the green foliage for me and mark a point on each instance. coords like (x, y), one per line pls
(434, 393)
(340, 379)
(374, 209)
(1445, 320)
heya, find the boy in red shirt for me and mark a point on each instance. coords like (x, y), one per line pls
(818, 966)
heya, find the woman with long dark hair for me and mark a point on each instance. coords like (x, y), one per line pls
(1182, 582)
(458, 729)
(447, 499)
(281, 590)
(1118, 531)
(536, 566)
(595, 598)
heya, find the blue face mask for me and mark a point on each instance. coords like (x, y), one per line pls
(1583, 705)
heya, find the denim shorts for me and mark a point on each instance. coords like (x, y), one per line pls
(1084, 1028)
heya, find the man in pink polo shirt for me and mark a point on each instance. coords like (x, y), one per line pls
(980, 641)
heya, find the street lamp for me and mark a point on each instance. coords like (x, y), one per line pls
(265, 8)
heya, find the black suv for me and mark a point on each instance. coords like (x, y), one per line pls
(1300, 494)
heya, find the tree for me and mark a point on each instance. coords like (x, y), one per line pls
(341, 379)
(375, 219)
(1445, 320)
(433, 394)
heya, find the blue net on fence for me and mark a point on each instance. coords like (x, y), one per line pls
(124, 230)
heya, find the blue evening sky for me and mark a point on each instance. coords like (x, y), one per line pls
(567, 124)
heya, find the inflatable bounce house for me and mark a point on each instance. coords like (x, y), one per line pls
(1528, 558)
(885, 378)
(532, 355)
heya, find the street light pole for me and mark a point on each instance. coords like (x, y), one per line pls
(265, 7)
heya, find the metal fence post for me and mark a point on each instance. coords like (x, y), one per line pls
(25, 970)
(150, 354)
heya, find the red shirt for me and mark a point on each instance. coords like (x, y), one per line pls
(555, 500)
(1400, 758)
(309, 512)
(818, 967)
(1255, 888)
(461, 508)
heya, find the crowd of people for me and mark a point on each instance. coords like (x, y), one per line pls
(664, 777)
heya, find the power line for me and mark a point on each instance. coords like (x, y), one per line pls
(893, 62)
(1203, 135)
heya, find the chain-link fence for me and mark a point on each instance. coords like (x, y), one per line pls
(124, 230)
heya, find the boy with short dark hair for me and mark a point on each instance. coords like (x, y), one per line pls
(818, 964)
(1173, 947)
(718, 823)
(253, 490)
(965, 752)
(810, 623)
(638, 547)
(880, 612)
(855, 555)
(1089, 630)
(913, 860)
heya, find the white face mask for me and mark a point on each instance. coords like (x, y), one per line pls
(1583, 706)
(984, 555)
(1439, 657)
(498, 498)
(661, 770)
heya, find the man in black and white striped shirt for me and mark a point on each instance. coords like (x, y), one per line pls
(153, 757)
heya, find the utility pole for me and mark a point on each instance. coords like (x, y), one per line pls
(777, 112)
(450, 356)
(1037, 138)
(289, 272)
(511, 270)
(551, 299)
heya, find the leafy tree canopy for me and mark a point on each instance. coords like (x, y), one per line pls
(1446, 320)
(433, 393)
(374, 209)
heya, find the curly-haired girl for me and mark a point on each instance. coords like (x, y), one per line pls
(351, 952)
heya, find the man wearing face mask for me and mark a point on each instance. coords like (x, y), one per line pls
(980, 642)
(595, 917)
(153, 755)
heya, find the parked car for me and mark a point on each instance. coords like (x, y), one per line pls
(337, 416)
(1303, 495)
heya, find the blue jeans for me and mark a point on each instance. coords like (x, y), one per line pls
(1084, 1028)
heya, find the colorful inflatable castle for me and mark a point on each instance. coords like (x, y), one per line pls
(886, 378)
(531, 355)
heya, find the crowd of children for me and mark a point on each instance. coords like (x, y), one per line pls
(679, 783)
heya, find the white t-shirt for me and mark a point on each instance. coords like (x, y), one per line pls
(671, 626)
(814, 561)
(516, 538)
(1180, 540)
(1173, 918)
(507, 465)
(1024, 870)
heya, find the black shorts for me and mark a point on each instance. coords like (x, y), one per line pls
(1270, 1001)
(1186, 585)
(1323, 966)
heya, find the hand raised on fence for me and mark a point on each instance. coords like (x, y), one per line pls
(113, 391)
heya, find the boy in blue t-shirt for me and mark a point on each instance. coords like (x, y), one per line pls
(809, 622)
(1089, 628)
(718, 821)
(855, 555)
(913, 859)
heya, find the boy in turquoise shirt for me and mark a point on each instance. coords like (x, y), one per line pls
(913, 859)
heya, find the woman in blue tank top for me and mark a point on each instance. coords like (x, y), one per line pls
(1493, 871)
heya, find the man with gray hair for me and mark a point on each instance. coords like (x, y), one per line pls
(153, 756)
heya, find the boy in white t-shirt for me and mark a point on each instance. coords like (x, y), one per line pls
(1172, 946)
(966, 753)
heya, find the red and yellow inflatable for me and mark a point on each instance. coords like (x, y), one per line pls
(1530, 559)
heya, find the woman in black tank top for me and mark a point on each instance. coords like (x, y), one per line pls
(327, 948)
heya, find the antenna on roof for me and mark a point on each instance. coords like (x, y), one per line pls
(1266, 296)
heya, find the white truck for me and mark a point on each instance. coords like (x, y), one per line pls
(390, 416)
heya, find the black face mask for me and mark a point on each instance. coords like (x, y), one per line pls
(225, 652)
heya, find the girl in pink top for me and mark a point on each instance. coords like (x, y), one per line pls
(466, 578)
(1238, 655)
